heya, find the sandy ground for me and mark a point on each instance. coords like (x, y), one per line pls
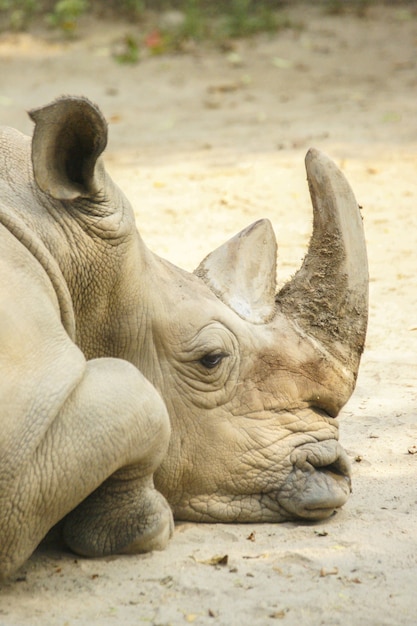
(204, 144)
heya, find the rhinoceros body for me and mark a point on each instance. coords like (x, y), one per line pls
(127, 383)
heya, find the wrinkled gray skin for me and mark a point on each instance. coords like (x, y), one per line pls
(95, 330)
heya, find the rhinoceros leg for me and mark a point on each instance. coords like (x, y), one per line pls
(84, 445)
(67, 427)
(125, 515)
(112, 419)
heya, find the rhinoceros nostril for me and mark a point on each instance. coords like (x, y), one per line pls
(337, 471)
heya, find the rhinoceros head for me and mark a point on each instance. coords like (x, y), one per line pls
(253, 379)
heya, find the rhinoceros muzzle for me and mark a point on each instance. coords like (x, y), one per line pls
(319, 482)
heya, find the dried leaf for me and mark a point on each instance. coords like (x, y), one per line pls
(224, 87)
(330, 572)
(278, 614)
(251, 537)
(216, 560)
(263, 555)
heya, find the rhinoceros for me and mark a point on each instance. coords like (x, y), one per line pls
(127, 383)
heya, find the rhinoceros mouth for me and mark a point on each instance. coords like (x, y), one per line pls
(319, 482)
(316, 485)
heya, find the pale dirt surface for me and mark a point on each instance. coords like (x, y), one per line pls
(203, 145)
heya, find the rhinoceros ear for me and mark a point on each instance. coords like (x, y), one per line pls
(69, 136)
(242, 272)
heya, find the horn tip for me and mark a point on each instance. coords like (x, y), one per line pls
(315, 155)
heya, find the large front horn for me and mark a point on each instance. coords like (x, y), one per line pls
(328, 297)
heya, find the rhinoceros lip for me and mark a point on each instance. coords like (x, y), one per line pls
(319, 482)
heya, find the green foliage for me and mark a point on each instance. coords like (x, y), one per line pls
(130, 51)
(338, 7)
(218, 22)
(194, 25)
(131, 8)
(66, 13)
(244, 18)
(248, 18)
(19, 13)
(199, 19)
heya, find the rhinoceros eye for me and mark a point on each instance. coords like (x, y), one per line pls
(212, 360)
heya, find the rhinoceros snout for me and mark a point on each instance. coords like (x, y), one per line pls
(319, 482)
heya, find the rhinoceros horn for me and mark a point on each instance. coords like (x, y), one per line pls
(328, 296)
(242, 272)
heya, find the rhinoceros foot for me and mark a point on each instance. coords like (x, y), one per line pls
(135, 520)
(319, 482)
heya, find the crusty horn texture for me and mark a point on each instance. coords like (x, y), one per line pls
(328, 297)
